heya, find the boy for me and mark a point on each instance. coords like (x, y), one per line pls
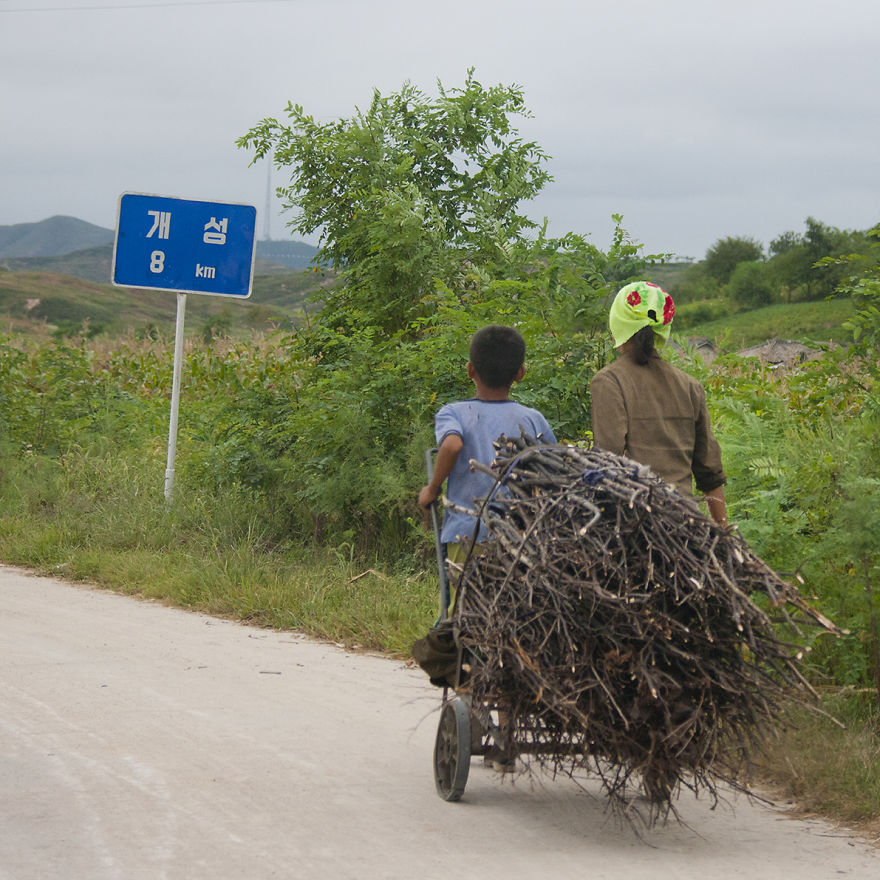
(466, 430)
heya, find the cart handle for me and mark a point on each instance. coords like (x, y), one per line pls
(438, 544)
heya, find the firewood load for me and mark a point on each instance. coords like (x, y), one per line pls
(623, 630)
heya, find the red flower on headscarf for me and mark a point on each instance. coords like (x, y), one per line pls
(633, 298)
(668, 309)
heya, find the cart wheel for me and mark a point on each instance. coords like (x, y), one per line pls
(452, 750)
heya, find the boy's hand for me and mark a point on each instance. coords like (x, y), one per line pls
(428, 495)
(447, 455)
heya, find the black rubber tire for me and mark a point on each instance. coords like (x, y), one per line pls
(452, 750)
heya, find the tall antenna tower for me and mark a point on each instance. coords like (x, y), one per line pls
(268, 213)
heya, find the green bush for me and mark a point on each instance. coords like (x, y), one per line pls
(727, 253)
(751, 286)
(696, 285)
(692, 313)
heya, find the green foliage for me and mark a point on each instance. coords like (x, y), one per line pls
(417, 201)
(808, 322)
(727, 253)
(691, 314)
(800, 266)
(864, 288)
(84, 329)
(217, 326)
(695, 285)
(406, 192)
(58, 395)
(750, 285)
(785, 242)
(806, 266)
(804, 489)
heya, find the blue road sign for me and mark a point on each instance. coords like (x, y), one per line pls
(178, 244)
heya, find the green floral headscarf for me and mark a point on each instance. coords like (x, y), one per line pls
(641, 304)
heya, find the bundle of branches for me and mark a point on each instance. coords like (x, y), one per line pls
(621, 629)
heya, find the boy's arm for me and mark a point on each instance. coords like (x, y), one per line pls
(447, 456)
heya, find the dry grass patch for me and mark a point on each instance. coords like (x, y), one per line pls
(826, 770)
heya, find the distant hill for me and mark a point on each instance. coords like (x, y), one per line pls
(293, 254)
(56, 274)
(95, 264)
(41, 302)
(91, 264)
(52, 237)
(73, 247)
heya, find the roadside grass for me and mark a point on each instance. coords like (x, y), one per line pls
(806, 322)
(829, 771)
(204, 554)
(321, 596)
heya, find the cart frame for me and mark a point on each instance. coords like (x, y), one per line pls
(464, 730)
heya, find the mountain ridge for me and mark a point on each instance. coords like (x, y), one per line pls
(59, 242)
(52, 237)
(55, 277)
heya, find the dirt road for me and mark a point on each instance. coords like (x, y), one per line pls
(138, 741)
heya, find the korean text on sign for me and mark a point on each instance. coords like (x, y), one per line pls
(164, 243)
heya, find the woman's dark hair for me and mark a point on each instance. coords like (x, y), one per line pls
(497, 352)
(642, 348)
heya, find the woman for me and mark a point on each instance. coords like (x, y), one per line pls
(650, 411)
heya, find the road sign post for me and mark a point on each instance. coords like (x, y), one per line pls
(165, 243)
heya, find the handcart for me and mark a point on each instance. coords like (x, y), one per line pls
(464, 730)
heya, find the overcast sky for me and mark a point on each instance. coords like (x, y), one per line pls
(695, 119)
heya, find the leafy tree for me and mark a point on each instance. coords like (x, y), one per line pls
(417, 202)
(750, 285)
(406, 192)
(727, 253)
(785, 242)
(805, 265)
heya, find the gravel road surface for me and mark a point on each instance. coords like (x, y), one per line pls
(140, 741)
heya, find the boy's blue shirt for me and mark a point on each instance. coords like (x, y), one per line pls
(479, 423)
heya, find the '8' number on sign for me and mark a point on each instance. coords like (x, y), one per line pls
(157, 262)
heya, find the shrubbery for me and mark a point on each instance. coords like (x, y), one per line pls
(692, 313)
(750, 285)
(805, 487)
(800, 267)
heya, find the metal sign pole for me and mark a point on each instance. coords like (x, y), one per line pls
(175, 397)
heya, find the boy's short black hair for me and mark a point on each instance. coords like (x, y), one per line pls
(497, 352)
